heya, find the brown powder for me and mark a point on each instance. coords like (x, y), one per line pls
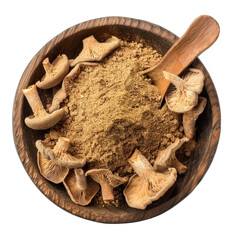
(112, 109)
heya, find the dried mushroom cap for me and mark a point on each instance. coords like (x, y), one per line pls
(41, 120)
(189, 118)
(182, 96)
(194, 80)
(166, 158)
(63, 158)
(95, 51)
(107, 180)
(50, 170)
(80, 191)
(59, 94)
(147, 185)
(55, 72)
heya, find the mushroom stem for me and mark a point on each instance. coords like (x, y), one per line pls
(107, 191)
(48, 67)
(62, 145)
(34, 101)
(178, 165)
(174, 79)
(81, 180)
(140, 164)
(107, 180)
(41, 148)
(46, 152)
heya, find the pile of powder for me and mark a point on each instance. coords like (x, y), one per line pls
(112, 109)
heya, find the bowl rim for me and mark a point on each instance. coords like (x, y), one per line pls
(38, 179)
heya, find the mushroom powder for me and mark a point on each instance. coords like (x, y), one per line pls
(111, 110)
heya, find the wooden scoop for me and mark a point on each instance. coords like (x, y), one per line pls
(201, 34)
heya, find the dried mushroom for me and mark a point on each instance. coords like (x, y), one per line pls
(107, 180)
(182, 95)
(190, 117)
(59, 94)
(41, 120)
(50, 170)
(55, 72)
(166, 158)
(63, 158)
(95, 51)
(80, 191)
(147, 185)
(59, 154)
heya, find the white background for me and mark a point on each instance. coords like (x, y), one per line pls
(211, 211)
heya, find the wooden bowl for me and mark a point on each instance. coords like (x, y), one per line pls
(70, 43)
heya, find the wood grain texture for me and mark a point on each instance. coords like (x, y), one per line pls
(201, 34)
(70, 43)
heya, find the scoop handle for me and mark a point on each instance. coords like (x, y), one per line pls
(201, 34)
